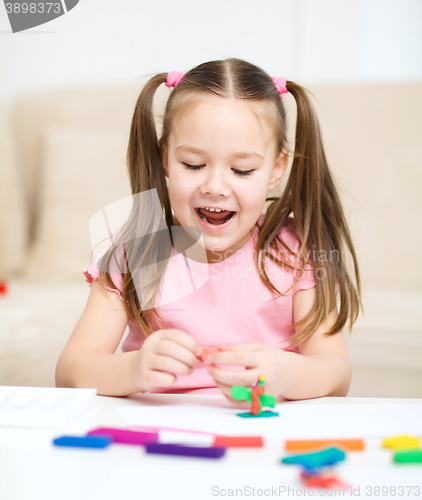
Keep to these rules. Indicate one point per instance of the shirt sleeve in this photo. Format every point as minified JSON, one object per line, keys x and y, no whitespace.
{"x":307,"y":279}
{"x":93,"y":273}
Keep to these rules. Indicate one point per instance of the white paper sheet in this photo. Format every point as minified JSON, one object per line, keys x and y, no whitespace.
{"x":43,"y":406}
{"x":298,"y":421}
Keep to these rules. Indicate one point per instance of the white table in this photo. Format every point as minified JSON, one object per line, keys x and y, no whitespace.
{"x":32,"y":468}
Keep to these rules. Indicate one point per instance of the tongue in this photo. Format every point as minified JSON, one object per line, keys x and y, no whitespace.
{"x":214,"y":215}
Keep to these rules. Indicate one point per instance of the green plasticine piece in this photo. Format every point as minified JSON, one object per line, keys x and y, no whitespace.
{"x":408,"y":457}
{"x":240,"y":393}
{"x":329,"y":456}
{"x":262,"y":414}
{"x":268,"y":400}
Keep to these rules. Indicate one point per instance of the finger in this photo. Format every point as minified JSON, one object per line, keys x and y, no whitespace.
{"x":246,"y":378}
{"x":226,"y":390}
{"x":170,"y":365}
{"x":241,"y":358}
{"x":178,"y":352}
{"x":182,"y":338}
{"x":156,"y":379}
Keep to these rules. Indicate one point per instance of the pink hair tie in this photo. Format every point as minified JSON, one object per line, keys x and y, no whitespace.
{"x":173,"y":78}
{"x":280,"y":85}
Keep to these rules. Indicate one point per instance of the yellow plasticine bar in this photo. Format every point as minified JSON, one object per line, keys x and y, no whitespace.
{"x":401,"y":442}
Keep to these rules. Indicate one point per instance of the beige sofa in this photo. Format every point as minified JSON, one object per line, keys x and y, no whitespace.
{"x":62,"y":158}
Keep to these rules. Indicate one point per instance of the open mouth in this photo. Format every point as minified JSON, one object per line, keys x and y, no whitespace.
{"x":214,"y":218}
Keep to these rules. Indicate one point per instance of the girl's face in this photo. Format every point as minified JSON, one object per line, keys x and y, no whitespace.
{"x":233,"y":153}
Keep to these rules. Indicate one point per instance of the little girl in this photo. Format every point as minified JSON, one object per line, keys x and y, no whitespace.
{"x":277,"y":293}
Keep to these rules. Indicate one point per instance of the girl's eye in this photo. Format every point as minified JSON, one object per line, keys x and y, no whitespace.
{"x":193,"y":167}
{"x":242,"y":173}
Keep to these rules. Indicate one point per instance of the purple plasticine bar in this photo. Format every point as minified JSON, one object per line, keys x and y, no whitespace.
{"x":185,"y":451}
{"x":83,"y":441}
{"x":124,"y":436}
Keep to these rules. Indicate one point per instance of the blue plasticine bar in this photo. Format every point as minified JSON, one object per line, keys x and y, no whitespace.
{"x":185,"y":451}
{"x":309,"y":461}
{"x":83,"y":441}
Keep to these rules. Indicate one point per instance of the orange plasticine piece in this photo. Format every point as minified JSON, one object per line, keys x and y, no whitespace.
{"x":256,"y":394}
{"x":206,"y":352}
{"x":346,"y":444}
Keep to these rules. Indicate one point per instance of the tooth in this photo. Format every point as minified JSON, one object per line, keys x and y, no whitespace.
{"x":211,"y":209}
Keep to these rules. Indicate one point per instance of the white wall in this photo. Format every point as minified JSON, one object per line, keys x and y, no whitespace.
{"x":103,"y":41}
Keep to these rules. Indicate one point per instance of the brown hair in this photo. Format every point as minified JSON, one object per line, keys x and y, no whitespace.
{"x":310,"y":195}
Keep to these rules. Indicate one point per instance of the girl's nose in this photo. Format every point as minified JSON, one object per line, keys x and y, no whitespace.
{"x":215,"y":183}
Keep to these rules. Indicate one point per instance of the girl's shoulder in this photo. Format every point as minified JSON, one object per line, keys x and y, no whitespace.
{"x":289,"y":231}
{"x":288,"y":235}
{"x":301,"y":271}
{"x":115,"y":267}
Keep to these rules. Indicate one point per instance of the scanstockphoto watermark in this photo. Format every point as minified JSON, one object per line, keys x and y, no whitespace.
{"x":319,"y":259}
{"x":316,"y":256}
{"x":274,"y":273}
{"x":275,"y":491}
{"x":24,"y":15}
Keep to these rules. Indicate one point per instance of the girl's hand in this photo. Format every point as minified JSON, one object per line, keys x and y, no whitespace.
{"x":163,"y":355}
{"x":256,"y":359}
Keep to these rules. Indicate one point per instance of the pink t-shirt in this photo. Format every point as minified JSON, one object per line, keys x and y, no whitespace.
{"x":232,"y":306}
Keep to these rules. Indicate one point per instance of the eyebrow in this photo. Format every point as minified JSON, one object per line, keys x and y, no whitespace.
{"x":242,"y":154}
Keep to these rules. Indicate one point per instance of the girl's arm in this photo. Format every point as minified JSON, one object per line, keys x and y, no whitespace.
{"x":89,"y":359}
{"x":321,"y":369}
{"x":323,"y":366}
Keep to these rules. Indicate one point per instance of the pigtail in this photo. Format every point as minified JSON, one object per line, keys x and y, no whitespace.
{"x":143,"y":155}
{"x":144,"y":244}
{"x":311,"y":196}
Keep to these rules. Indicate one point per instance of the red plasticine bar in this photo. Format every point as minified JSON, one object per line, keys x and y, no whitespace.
{"x":206,"y":352}
{"x":303,"y":444}
{"x":238,"y":441}
{"x":124,"y":436}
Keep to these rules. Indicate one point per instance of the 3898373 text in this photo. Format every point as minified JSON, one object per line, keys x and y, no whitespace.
{"x":33,"y":7}
{"x":391,"y":491}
